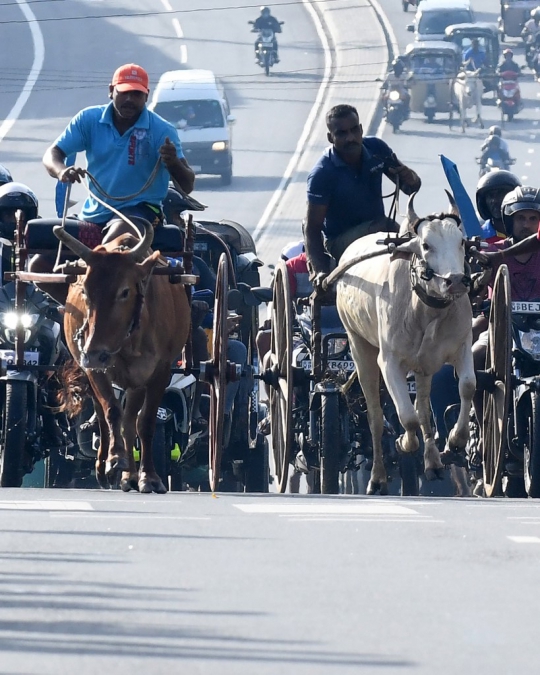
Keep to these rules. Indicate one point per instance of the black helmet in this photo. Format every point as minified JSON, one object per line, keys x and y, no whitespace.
{"x":173,"y":203}
{"x":5,"y":176}
{"x":398,"y":66}
{"x":265,"y":11}
{"x":18,"y":196}
{"x":494,"y":180}
{"x":523,"y":198}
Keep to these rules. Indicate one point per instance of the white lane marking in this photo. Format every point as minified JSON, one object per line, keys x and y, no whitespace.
{"x":356,"y":508}
{"x":524,"y":177}
{"x":525,"y":540}
{"x":183,"y":54}
{"x":37,"y":65}
{"x":528,"y":163}
{"x":167,"y":5}
{"x":530,"y":151}
{"x":126,"y":516}
{"x":45,"y":506}
{"x":395,"y":47}
{"x":361,"y":520}
{"x":308,"y":126}
{"x":178,"y":28}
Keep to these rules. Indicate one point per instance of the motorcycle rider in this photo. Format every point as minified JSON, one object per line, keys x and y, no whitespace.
{"x":494,"y":151}
{"x":508,"y":64}
{"x":5,"y":175}
{"x":345,"y":189}
{"x":491,"y":190}
{"x":495,"y":131}
{"x":474,"y":57}
{"x":268,"y":22}
{"x":15,"y":197}
{"x":397,"y":80}
{"x":532,"y":26}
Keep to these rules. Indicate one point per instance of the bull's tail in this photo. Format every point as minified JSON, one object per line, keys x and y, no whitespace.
{"x":75,"y":388}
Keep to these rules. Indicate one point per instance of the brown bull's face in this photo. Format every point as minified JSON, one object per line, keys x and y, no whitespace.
{"x":112,"y":291}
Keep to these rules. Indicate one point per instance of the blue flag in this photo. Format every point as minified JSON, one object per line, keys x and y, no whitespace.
{"x":61,"y":189}
{"x":466,"y":208}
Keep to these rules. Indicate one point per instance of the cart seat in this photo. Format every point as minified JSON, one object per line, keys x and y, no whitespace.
{"x":40,"y":236}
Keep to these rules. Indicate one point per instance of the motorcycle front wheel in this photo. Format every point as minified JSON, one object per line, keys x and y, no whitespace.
{"x":531,"y":454}
{"x":13,"y":440}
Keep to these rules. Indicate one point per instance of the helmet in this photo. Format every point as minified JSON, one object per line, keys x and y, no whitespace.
{"x":5,"y":176}
{"x":265,"y":11}
{"x":535,"y":13}
{"x":495,"y":131}
{"x":292,"y":249}
{"x":523,"y":198}
{"x":508,"y":52}
{"x":18,"y":196}
{"x":173,"y":203}
{"x":494,"y":180}
{"x":398,"y":66}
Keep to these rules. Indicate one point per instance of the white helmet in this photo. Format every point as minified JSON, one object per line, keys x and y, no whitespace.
{"x":292,"y":249}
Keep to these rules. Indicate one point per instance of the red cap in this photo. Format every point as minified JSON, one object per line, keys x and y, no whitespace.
{"x":130,"y":78}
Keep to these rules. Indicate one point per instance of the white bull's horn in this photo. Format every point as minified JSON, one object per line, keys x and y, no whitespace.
{"x":454,"y":210}
{"x":144,"y":244}
{"x":411,"y":213}
{"x":73,"y":244}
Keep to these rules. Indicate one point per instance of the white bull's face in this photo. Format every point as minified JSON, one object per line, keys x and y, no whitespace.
{"x":441,"y":245}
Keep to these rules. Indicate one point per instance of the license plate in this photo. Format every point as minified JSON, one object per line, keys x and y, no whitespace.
{"x":7,"y":357}
{"x":306,"y":364}
{"x":526,"y":307}
{"x":200,"y":246}
{"x":411,"y":385}
{"x":334,"y":364}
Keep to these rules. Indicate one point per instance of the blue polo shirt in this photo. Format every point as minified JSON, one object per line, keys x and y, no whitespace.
{"x":353,"y":195}
{"x":120,"y":163}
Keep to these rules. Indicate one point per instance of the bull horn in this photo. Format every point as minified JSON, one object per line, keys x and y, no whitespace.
{"x":73,"y":244}
{"x":412,"y":217}
{"x":454,"y":210}
{"x":144,"y":244}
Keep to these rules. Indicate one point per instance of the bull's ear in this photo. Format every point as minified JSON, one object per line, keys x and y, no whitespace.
{"x":147,"y":265}
{"x":407,"y":250}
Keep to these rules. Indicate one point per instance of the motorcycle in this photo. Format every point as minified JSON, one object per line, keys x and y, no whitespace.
{"x":265,"y":52}
{"x":29,"y":427}
{"x":494,"y":163}
{"x":395,"y":110}
{"x":509,"y":95}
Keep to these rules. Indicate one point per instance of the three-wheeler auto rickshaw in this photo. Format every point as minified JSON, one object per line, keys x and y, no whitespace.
{"x":432,"y":68}
{"x":514,"y":14}
{"x":487,"y":34}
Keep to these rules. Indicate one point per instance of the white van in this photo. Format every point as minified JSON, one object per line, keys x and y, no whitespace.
{"x":195,"y":102}
{"x":433,"y":16}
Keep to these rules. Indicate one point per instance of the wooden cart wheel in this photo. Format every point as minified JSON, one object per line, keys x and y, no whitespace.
{"x":217,"y":376}
{"x":281,"y":389}
{"x":497,"y":402}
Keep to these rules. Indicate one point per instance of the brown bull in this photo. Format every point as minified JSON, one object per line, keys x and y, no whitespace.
{"x":125,"y":326}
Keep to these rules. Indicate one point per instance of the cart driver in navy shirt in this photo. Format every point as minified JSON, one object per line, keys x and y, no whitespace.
{"x":344,"y":189}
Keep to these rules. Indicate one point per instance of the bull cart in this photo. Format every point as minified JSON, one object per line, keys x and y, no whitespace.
{"x":19,"y":449}
{"x":318,"y":415}
{"x":511,"y":399}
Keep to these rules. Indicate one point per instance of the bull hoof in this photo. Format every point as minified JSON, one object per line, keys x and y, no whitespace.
{"x":115,"y":464}
{"x":103,"y":481}
{"x":434,"y":474}
{"x":454,"y":456}
{"x":375,"y":486}
{"x":130,"y":483}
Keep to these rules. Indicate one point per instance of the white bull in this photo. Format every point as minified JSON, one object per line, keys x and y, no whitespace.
{"x":410,"y":314}
{"x":468,"y":88}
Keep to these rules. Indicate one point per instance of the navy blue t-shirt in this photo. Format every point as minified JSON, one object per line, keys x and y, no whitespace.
{"x":352,"y":195}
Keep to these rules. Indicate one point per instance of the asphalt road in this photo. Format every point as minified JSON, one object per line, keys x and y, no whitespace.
{"x":97,"y":582}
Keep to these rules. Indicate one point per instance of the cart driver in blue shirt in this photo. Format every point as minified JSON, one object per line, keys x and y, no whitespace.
{"x":474,"y":57}
{"x":344,"y":189}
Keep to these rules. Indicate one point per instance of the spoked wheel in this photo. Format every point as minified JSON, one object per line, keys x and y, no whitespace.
{"x":497,"y":402}
{"x":281,"y":389}
{"x":215,"y":374}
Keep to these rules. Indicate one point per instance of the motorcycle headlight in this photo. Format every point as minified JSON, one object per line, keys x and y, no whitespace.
{"x":10,"y":320}
{"x":219,"y":146}
{"x":336,"y":346}
{"x":531,"y":343}
{"x":394,"y":95}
